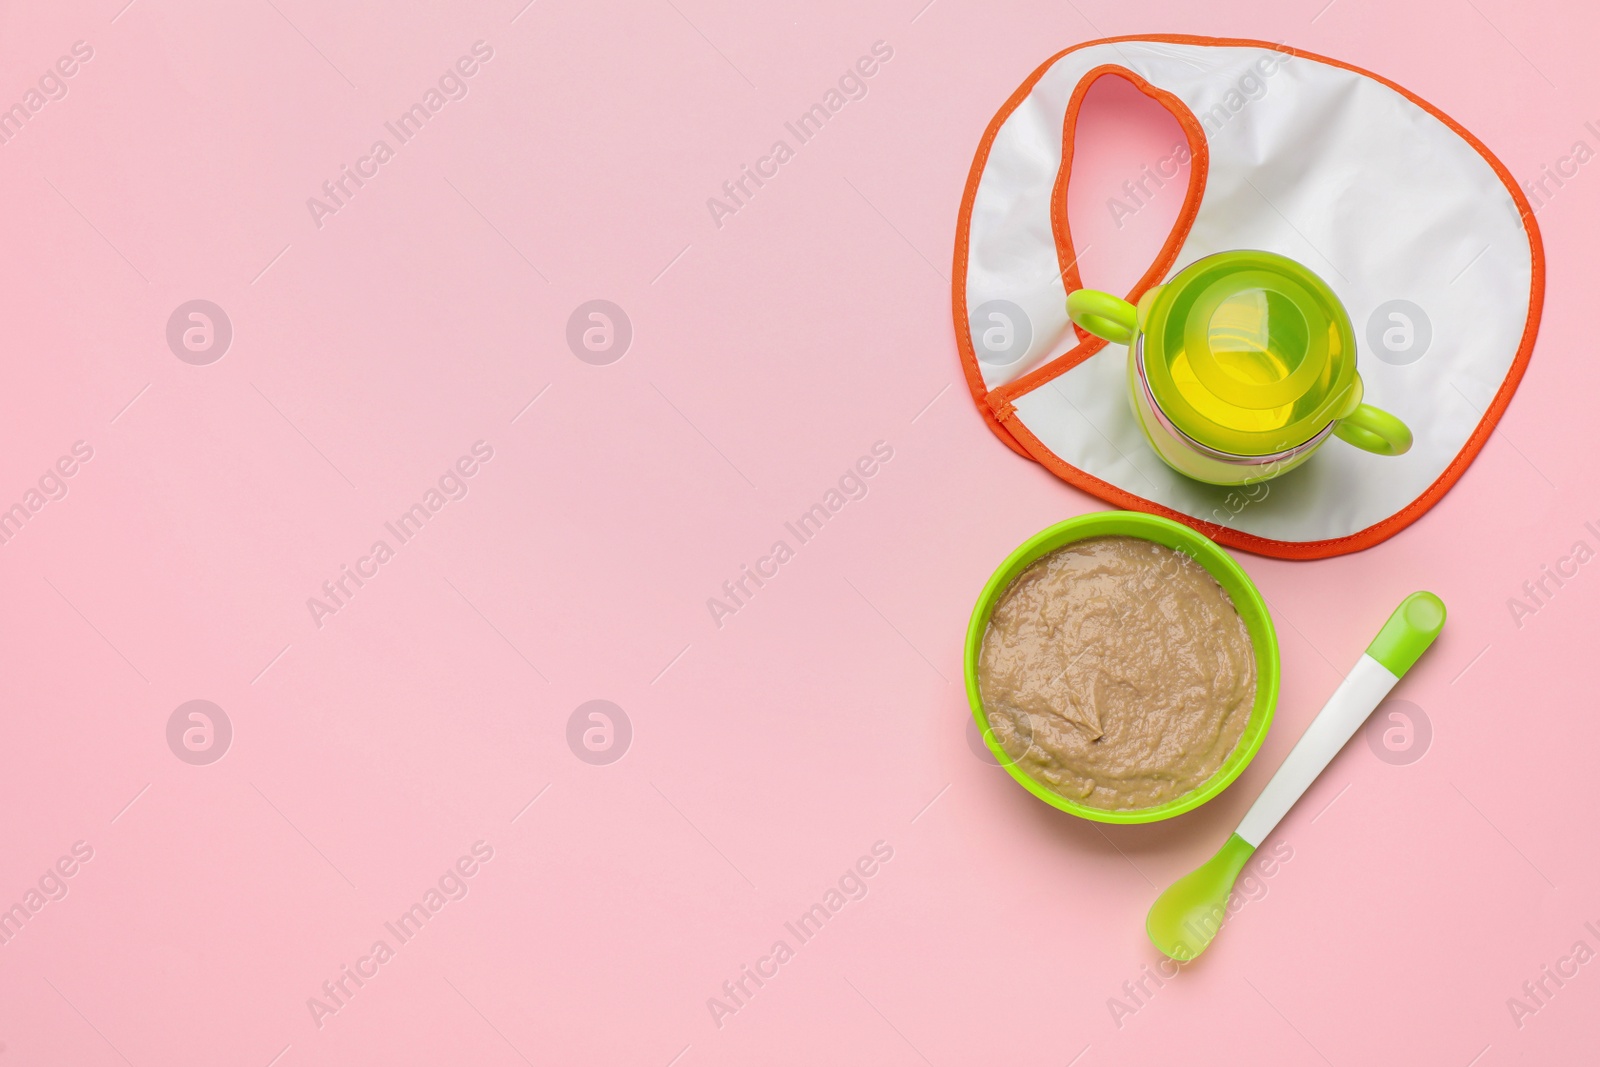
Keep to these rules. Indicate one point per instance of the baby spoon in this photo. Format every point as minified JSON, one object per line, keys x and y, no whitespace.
{"x":1185,"y":918}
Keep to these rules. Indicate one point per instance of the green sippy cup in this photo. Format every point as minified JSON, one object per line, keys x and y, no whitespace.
{"x":1240,"y":367}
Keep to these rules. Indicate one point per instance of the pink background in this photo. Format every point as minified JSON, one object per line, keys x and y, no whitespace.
{"x":767,"y":754}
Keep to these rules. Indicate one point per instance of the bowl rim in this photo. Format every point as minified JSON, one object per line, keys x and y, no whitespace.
{"x":1247,"y":600}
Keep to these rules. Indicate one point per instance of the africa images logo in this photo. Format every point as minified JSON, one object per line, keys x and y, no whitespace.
{"x":338,"y":191}
{"x":850,"y":886}
{"x":452,"y":485}
{"x":737,"y":592}
{"x":451,"y":886}
{"x":737,"y":192}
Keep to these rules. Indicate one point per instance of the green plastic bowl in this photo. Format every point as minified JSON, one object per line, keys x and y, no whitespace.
{"x":1234,"y":581}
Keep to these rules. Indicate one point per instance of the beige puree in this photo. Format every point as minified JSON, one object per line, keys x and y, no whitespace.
{"x":1117,"y":672}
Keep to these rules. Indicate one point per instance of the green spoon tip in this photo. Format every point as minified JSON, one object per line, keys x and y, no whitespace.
{"x":1185,"y":918}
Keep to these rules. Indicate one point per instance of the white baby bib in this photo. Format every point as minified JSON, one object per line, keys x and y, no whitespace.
{"x":1419,"y":230}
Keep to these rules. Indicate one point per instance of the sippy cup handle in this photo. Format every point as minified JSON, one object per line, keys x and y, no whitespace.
{"x":1375,"y":430}
{"x":1109,"y":317}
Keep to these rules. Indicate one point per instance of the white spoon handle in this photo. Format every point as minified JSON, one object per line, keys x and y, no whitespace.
{"x":1362,"y":690}
{"x":1409,"y":631}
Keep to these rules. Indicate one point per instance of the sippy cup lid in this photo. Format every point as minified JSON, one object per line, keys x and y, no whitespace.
{"x":1249,"y":353}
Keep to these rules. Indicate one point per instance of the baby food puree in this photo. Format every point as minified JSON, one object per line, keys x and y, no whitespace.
{"x":1117,"y":672}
